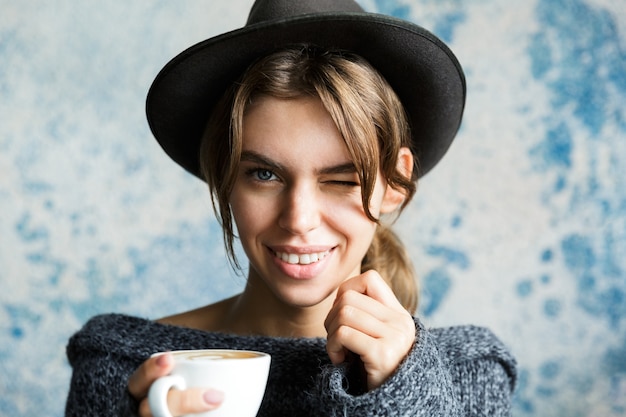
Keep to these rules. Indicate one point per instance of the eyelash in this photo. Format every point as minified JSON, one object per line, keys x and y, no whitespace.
{"x":344,"y":183}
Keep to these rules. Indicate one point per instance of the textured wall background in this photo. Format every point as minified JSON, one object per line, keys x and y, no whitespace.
{"x":522,"y":227}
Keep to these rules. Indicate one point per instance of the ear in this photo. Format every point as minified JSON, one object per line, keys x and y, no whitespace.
{"x":394,"y":198}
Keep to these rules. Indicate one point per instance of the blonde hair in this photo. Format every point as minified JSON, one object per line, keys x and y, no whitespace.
{"x":367,"y":113}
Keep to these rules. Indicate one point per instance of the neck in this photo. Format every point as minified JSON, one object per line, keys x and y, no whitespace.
{"x":254,"y":311}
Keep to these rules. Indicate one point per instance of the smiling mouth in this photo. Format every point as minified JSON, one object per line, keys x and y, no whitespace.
{"x":303,"y":258}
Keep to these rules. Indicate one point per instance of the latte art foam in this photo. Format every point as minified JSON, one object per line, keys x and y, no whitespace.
{"x":215,"y":354}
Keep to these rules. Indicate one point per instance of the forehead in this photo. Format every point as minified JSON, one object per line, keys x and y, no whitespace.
{"x":298,"y":130}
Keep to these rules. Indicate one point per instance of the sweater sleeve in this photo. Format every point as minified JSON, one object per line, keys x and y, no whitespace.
{"x":486,"y":388}
{"x":483,"y":371}
{"x":98,"y":387}
{"x":421,"y":387}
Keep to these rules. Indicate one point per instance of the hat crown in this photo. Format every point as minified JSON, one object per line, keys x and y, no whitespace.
{"x":267,"y":10}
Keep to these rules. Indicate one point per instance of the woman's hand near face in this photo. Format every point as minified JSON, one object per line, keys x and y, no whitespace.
{"x":367,"y":320}
{"x":190,"y":401}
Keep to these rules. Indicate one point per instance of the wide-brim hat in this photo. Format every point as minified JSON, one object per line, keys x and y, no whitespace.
{"x":420,"y":68}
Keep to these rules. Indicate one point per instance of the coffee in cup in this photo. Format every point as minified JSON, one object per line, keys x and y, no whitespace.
{"x":240,"y":374}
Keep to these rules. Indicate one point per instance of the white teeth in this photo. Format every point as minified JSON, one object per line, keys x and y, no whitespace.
{"x":304,"y":259}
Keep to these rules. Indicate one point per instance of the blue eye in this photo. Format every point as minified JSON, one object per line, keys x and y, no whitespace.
{"x":264,"y":174}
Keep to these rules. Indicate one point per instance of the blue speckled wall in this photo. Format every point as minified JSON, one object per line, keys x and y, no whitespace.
{"x":522,"y":228}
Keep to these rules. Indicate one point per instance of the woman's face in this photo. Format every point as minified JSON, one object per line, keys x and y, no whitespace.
{"x":297,"y":202}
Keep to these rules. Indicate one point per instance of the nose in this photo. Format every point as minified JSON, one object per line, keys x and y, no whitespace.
{"x":300,"y":210}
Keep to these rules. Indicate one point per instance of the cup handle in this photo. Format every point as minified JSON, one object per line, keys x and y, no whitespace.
{"x":157,"y":396}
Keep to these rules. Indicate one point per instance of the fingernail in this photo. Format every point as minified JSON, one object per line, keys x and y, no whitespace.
{"x":213,"y":397}
{"x":162,"y":360}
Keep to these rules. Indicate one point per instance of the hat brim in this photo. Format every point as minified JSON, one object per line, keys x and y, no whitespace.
{"x":421,"y":69}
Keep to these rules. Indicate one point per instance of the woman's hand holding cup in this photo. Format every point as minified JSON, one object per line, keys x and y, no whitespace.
{"x":180,"y":402}
{"x":224,"y":382}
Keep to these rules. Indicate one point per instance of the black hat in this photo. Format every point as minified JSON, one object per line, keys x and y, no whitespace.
{"x":420,"y":68}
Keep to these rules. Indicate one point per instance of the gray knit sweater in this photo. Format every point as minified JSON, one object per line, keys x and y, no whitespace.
{"x":457,"y":371}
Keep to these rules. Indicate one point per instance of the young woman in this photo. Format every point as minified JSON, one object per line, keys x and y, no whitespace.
{"x":306,"y":154}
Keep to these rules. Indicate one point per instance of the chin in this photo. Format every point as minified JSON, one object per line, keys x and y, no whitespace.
{"x":302,"y":299}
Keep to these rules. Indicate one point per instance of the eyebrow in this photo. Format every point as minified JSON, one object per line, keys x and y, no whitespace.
{"x":251,"y":156}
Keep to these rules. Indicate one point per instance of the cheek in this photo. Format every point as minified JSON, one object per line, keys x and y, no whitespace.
{"x":349,"y":217}
{"x":251,"y":214}
{"x":243,"y":215}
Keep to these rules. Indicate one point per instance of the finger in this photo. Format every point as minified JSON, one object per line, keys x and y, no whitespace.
{"x":346,"y":339}
{"x":351,"y":306}
{"x":392,"y":343}
{"x":373,"y":285}
{"x":153,"y":368}
{"x":359,"y":332}
{"x":193,"y":400}
{"x":190,"y":401}
{"x":380,"y":357}
{"x":359,"y":315}
{"x":144,"y":409}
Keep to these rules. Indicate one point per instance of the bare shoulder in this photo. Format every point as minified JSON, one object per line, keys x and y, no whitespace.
{"x":208,"y":318}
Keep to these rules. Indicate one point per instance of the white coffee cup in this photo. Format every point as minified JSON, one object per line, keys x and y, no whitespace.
{"x":240,"y":374}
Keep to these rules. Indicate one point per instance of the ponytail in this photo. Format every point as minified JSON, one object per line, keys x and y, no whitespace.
{"x":388,"y":256}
